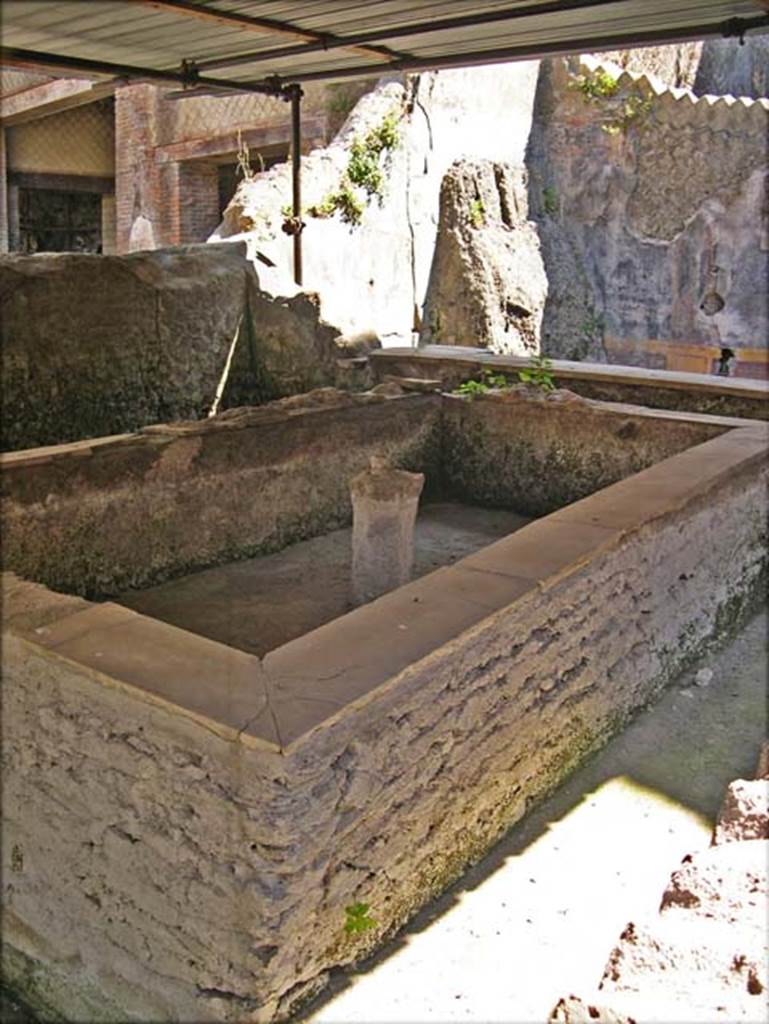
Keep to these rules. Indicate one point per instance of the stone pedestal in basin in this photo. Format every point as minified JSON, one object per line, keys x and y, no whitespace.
{"x":384,"y":503}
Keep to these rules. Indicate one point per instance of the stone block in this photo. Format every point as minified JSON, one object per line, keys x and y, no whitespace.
{"x":384,"y":503}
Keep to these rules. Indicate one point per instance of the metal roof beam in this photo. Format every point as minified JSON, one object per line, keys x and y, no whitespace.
{"x":415,"y":28}
{"x":187,"y":76}
{"x":589,"y":44}
{"x":322,"y":40}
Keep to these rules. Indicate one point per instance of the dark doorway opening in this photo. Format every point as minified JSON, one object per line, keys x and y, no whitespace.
{"x":51,"y":220}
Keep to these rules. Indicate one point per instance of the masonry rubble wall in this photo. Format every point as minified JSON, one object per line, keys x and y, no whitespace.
{"x":96,"y":345}
{"x":195,"y":863}
{"x":652,"y":219}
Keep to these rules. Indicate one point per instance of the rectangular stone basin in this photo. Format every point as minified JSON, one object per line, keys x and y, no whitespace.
{"x":187,"y":818}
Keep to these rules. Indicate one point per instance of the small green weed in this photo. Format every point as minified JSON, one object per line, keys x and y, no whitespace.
{"x":477,"y":213}
{"x":591,"y":328}
{"x":632,"y":111}
{"x":473,"y":388}
{"x":357,"y":918}
{"x":550,"y":200}
{"x":538,"y":374}
{"x":597,"y":86}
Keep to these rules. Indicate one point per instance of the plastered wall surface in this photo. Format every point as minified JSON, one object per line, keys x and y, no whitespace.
{"x":540,"y":455}
{"x":649,"y":201}
{"x":185,"y":825}
{"x":96,"y":518}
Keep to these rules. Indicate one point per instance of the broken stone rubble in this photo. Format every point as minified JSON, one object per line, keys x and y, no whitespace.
{"x":704,"y":956}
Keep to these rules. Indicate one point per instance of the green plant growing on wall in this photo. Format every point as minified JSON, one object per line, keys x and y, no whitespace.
{"x":475,"y":387}
{"x":550,"y":200}
{"x":595,"y":85}
{"x":363,"y":172}
{"x":538,"y":374}
{"x":357,"y":918}
{"x":599,"y":86}
{"x":591,"y":328}
{"x":477,"y":213}
{"x":633,"y":111}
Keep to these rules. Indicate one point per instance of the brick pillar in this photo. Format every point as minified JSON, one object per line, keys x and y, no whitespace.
{"x":137,"y":181}
{"x":198,"y":201}
{"x":108,"y":225}
{"x":3,"y":196}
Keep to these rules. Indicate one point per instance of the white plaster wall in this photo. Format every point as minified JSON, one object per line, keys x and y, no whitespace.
{"x":374,"y":276}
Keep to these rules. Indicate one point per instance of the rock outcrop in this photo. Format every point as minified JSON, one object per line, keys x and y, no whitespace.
{"x":487,"y":283}
{"x":97,"y":345}
{"x":372,"y":274}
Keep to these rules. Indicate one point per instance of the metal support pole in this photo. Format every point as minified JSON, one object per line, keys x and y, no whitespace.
{"x":296,"y":177}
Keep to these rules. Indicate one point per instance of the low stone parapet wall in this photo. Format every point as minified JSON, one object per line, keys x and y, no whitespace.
{"x":187,"y":825}
{"x":95,"y":517}
{"x":659,"y":389}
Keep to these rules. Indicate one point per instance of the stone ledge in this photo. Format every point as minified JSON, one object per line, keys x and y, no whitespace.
{"x":565,"y":370}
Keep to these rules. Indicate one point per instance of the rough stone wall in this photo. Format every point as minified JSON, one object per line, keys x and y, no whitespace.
{"x":676,"y":64}
{"x":373,"y":276}
{"x":536,"y":455}
{"x":728,"y":68}
{"x":129,"y":510}
{"x":97,"y":345}
{"x":487,"y":284}
{"x":172,"y":840}
{"x":207,"y":880}
{"x":654,"y":231}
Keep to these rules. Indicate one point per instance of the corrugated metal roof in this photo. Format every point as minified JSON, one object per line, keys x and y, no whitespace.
{"x":248,"y":42}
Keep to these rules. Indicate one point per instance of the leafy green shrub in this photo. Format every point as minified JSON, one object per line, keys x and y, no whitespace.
{"x":596,"y":85}
{"x":473,"y":388}
{"x":363,"y":172}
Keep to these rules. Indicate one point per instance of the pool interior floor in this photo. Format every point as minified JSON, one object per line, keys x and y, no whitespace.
{"x":258,"y":604}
